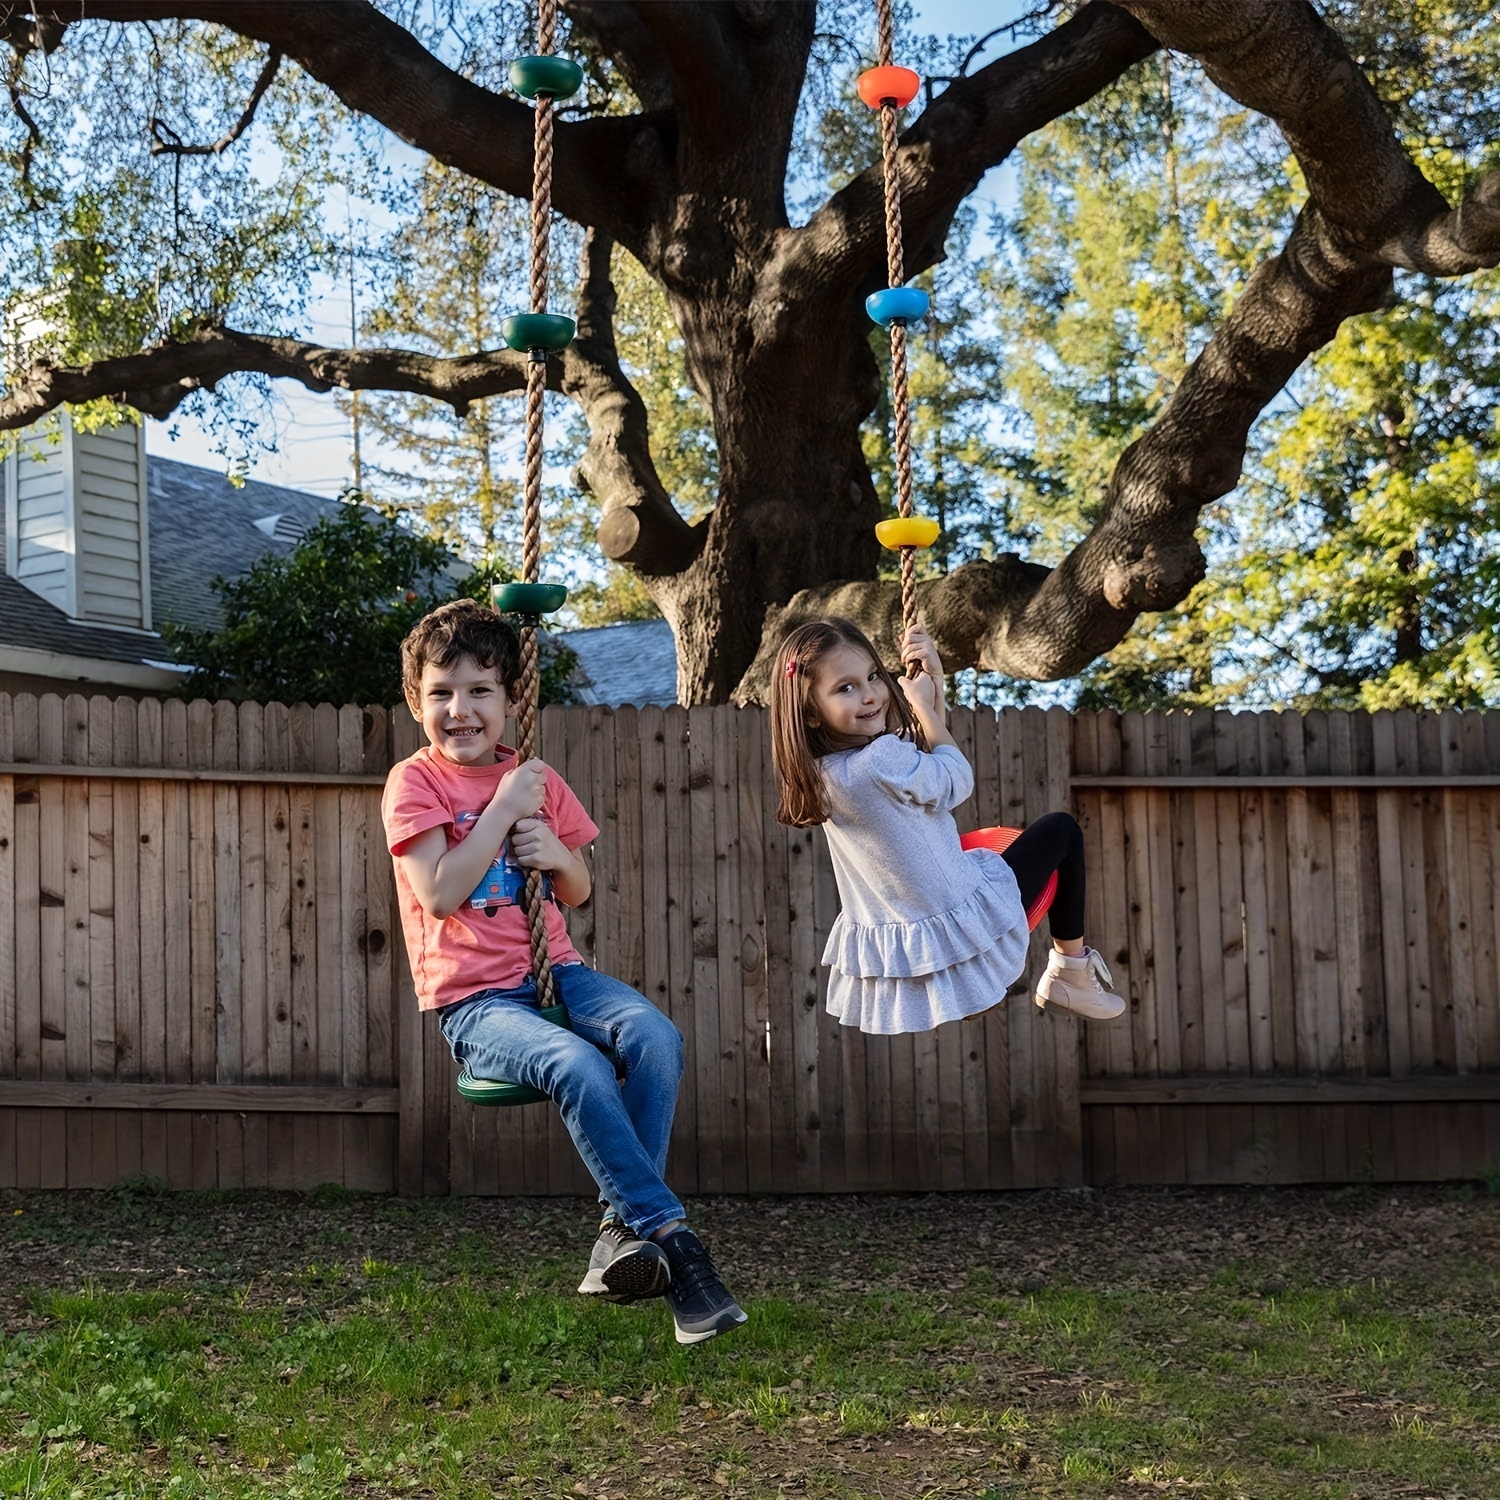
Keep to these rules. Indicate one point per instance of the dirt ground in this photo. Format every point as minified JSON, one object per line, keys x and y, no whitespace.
{"x":1098,"y":1238}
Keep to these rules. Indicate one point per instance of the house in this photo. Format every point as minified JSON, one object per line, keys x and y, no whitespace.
{"x":634,"y":662}
{"x":101,"y":547}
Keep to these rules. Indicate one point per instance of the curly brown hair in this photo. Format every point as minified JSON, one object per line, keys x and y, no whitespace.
{"x":459,"y":628}
{"x":797,"y":741}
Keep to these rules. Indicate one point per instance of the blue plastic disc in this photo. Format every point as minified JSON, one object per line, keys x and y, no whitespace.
{"x":897,"y":304}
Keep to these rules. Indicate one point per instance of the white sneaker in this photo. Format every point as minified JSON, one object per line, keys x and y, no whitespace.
{"x":1077,"y":985}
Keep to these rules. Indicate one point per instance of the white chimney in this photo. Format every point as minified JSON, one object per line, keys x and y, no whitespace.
{"x":75,"y":520}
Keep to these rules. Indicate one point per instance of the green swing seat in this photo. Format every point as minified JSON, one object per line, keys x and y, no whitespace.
{"x":494,"y":1091}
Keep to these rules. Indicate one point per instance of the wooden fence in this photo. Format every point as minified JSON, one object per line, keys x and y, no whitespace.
{"x":201,"y":978}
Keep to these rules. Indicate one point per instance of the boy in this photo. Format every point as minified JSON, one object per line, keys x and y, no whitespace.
{"x":463,"y":821}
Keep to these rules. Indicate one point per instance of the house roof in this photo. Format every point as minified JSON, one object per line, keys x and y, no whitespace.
{"x":635,"y":662}
{"x":201,"y":527}
{"x":29,"y":621}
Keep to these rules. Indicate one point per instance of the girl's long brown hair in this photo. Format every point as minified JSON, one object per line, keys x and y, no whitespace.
{"x":796,"y":744}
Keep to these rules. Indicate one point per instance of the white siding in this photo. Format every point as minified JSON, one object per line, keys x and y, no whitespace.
{"x":76,"y":523}
{"x":109,"y":478}
{"x":38,"y":527}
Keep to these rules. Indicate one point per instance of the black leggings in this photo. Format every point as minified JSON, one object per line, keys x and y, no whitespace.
{"x":1053,"y":842}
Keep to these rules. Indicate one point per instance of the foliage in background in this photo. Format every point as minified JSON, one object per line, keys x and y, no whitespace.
{"x":135,"y":243}
{"x":458,"y":270}
{"x":324,"y":623}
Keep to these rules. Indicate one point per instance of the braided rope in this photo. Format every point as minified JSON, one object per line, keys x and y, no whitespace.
{"x":531,"y":513}
{"x":541,"y":203}
{"x":885,"y":33}
{"x":896,"y":275}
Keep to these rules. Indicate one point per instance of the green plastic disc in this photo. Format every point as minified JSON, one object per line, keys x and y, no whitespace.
{"x":529,"y":598}
{"x":492,"y":1090}
{"x":556,"y":77}
{"x":527,"y":331}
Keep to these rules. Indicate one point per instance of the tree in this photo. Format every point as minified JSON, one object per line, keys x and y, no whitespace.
{"x":324,"y":624}
{"x":694,"y":184}
{"x":1357,"y":564}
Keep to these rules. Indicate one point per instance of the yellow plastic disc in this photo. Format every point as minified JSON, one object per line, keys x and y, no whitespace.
{"x":907,"y":531}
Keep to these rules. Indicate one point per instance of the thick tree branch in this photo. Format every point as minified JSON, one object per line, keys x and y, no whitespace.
{"x":156,"y":381}
{"x":1142,"y":554}
{"x":638,"y":524}
{"x":379,"y":69}
{"x":972,"y":126}
{"x":618,"y":32}
{"x":959,"y":607}
{"x":1281,"y":59}
{"x":1454,"y":243}
{"x":710,"y":84}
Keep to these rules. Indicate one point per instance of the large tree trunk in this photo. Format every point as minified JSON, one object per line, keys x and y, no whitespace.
{"x":795,"y":501}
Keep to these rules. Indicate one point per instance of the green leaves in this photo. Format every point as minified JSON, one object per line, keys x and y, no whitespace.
{"x":325,"y":622}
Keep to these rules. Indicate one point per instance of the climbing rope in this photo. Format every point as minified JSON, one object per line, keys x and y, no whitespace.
{"x":895,"y":275}
{"x":542,"y":78}
{"x":531,"y":514}
{"x":890,"y":89}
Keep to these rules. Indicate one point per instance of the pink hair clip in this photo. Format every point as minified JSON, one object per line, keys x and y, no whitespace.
{"x":791,"y":668}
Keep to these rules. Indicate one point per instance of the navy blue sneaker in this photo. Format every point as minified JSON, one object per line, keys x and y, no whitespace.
{"x":700,"y":1302}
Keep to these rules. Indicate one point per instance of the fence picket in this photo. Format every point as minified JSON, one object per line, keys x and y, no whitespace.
{"x":177,"y":905}
{"x":53,"y":1143}
{"x":705,"y":929}
{"x":677,"y":830}
{"x":229,"y":932}
{"x":125,"y":857}
{"x":1482,"y":738}
{"x":360,"y":1169}
{"x":754,"y":1001}
{"x":149,"y":934}
{"x":728,"y":944}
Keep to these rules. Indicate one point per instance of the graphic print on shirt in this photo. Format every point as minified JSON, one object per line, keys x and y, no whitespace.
{"x":504,"y":883}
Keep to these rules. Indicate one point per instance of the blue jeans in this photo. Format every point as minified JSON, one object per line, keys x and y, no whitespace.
{"x":621,"y":1128}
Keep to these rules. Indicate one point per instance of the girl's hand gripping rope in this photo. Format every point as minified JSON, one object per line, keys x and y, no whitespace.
{"x":924,"y":692}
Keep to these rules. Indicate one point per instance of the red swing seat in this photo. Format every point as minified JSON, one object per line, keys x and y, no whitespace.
{"x":1000,"y":839}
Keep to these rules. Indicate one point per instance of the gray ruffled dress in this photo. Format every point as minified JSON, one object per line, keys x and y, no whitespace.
{"x":929,"y":932}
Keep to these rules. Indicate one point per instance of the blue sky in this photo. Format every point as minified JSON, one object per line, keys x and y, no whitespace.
{"x":313,"y":446}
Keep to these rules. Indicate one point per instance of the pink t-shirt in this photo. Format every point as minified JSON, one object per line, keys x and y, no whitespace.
{"x":486,"y":943}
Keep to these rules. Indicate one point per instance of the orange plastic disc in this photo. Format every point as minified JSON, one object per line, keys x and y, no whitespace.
{"x":876,"y":85}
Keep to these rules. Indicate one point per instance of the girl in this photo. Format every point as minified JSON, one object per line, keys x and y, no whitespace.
{"x":929,"y":932}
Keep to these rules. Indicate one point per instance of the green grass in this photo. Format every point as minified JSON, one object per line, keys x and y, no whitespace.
{"x":357,"y":1368}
